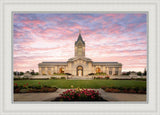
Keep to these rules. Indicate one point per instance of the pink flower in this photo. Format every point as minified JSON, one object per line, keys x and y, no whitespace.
{"x":92,"y":97}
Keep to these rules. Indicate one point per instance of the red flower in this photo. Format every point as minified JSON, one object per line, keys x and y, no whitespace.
{"x":27,"y":84}
{"x":24,"y":85}
{"x":15,"y":84}
{"x":39,"y":83}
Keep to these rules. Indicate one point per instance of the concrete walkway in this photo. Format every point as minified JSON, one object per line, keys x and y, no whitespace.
{"x":105,"y":95}
{"x":122,"y":96}
{"x":37,"y":96}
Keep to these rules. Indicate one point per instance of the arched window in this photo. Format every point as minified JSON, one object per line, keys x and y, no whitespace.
{"x":98,"y":70}
{"x":61,"y":70}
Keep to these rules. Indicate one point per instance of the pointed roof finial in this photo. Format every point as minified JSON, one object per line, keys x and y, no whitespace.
{"x":79,"y":31}
{"x":79,"y":38}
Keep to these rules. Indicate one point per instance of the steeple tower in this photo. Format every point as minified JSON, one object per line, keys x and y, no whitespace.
{"x":80,"y":46}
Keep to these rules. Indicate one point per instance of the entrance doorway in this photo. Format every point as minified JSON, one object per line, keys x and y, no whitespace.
{"x":79,"y":71}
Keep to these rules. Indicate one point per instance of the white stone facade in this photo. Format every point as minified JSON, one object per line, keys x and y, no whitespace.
{"x":80,"y":65}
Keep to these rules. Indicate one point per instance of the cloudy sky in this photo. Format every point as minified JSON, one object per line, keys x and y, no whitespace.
{"x":109,"y":37}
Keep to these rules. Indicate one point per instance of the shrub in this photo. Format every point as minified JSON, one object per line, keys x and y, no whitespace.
{"x":121,"y":88}
{"x":107,"y":77}
{"x":124,"y":90}
{"x":63,"y":78}
{"x":68,"y":73}
{"x":38,"y":87}
{"x":91,"y":74}
{"x":39,"y":78}
{"x":136,"y":89}
{"x":96,"y":77}
{"x":47,"y":86}
{"x":24,"y":78}
{"x":80,"y":95}
{"x":53,"y":78}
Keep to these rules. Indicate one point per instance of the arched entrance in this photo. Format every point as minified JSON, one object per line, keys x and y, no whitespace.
{"x":79,"y":71}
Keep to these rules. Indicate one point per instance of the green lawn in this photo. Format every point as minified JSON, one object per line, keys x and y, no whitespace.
{"x":84,"y":83}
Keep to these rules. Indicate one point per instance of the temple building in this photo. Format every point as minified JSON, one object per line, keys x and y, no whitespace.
{"x":80,"y":65}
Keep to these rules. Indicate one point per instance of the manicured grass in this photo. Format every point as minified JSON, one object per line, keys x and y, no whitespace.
{"x":84,"y":83}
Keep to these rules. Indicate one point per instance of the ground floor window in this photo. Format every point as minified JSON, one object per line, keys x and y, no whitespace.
{"x":110,"y":72}
{"x":98,"y":70}
{"x":61,"y":70}
{"x":116,"y":72}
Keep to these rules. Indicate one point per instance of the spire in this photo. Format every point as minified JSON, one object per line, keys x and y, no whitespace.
{"x":79,"y":31}
{"x":79,"y":38}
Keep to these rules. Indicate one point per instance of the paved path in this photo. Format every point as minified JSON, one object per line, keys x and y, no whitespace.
{"x":51,"y":96}
{"x":122,"y":96}
{"x":37,"y":96}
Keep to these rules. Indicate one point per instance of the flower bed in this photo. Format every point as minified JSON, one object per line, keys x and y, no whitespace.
{"x":125,"y":90}
{"x":80,"y":95}
{"x":26,"y":88}
{"x":102,"y":77}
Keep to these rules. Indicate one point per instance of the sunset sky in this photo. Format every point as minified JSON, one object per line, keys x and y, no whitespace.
{"x":109,"y":37}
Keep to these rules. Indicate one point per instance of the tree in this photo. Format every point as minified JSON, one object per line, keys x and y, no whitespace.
{"x":145,"y":72}
{"x":139,"y":73}
{"x":36,"y":73}
{"x":15,"y":72}
{"x":27,"y":72}
{"x":32,"y":72}
{"x":21,"y":73}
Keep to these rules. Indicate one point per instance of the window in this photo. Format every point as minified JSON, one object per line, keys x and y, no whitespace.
{"x":98,"y":70}
{"x":110,"y":71}
{"x":61,"y":70}
{"x":116,"y":71}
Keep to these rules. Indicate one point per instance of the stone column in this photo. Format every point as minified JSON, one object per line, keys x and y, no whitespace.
{"x":103,"y":69}
{"x":46,"y":70}
{"x":113,"y":71}
{"x":52,"y":70}
{"x":119,"y":71}
{"x":40,"y":71}
{"x":107,"y":70}
{"x":55,"y":69}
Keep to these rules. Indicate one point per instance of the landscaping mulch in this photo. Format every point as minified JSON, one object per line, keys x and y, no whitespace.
{"x":61,"y":99}
{"x":30,"y":90}
{"x":114,"y":90}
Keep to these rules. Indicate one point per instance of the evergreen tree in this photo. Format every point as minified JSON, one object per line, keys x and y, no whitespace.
{"x":145,"y":72}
